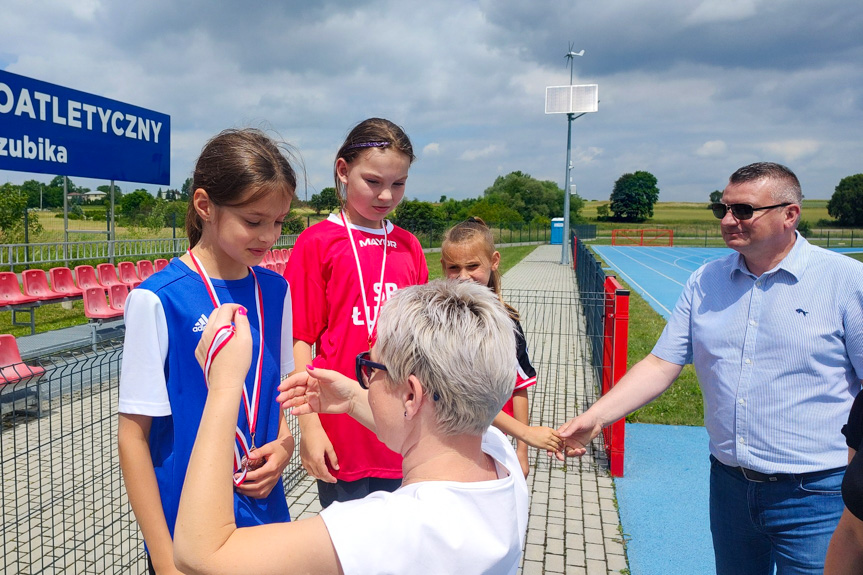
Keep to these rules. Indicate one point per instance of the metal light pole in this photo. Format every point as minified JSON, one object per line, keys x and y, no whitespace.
{"x":574,"y":101}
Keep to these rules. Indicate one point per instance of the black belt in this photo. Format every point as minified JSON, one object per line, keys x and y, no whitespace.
{"x":759,"y":477}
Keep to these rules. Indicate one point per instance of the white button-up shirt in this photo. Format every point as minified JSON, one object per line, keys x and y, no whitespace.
{"x":779,"y":357}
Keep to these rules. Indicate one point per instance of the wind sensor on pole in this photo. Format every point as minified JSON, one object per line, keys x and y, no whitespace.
{"x":570,"y":100}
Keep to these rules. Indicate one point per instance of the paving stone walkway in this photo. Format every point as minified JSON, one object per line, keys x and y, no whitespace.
{"x":574,"y":525}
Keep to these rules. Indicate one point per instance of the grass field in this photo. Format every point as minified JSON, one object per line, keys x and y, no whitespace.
{"x":674,"y":213}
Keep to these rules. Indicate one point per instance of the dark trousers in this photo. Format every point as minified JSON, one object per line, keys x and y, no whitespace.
{"x":350,"y":490}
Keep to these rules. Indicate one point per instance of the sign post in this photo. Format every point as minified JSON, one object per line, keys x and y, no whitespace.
{"x":570,"y":100}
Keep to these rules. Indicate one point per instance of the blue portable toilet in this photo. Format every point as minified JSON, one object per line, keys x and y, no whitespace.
{"x":556,"y":231}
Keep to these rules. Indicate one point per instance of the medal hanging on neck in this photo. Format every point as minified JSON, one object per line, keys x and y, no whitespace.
{"x":370,"y":323}
{"x":242,"y":463}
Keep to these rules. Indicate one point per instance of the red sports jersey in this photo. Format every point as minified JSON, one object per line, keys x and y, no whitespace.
{"x":328,"y":312}
{"x":526,"y":375}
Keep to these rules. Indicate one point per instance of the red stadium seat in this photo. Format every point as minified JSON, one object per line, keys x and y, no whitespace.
{"x":96,"y":304}
{"x":35,"y":284}
{"x":12,"y":367}
{"x":117,"y":297}
{"x":85,"y":277}
{"x":279,"y":268}
{"x":145,"y":269}
{"x":63,"y":282}
{"x":278,"y":258}
{"x":127,"y":274}
{"x":286,"y":254}
{"x":10,"y":291}
{"x":160,"y":264}
{"x":108,"y":275}
{"x":12,"y":371}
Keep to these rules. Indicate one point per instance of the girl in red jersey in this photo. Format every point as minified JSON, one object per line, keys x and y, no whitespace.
{"x":341,"y":270}
{"x":468,"y":253}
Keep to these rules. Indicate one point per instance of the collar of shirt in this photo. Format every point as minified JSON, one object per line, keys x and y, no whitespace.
{"x":793,"y":263}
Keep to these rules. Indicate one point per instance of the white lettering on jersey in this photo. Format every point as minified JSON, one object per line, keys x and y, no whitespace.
{"x":389,"y":287}
{"x":377,"y":242}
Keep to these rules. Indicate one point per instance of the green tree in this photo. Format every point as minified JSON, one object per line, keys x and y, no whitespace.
{"x":33,"y":190}
{"x":327,"y":200}
{"x":52,"y":193}
{"x":137,"y":205}
{"x":846,"y":203}
{"x":495,"y":212}
{"x":106,"y":189}
{"x":633,"y":197}
{"x":13,"y":204}
{"x":418,"y":217}
{"x":293,"y":225}
{"x":175,"y":214}
{"x":715,"y":196}
{"x":532,"y":198}
{"x":452,"y":210}
{"x":186,"y":190}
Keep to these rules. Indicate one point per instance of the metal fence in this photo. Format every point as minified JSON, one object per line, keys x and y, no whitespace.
{"x":606,"y":313}
{"x":17,"y":257}
{"x":64,"y":505}
{"x":63,"y":500}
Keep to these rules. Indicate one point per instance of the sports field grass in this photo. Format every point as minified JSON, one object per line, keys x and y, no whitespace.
{"x":675,"y":213}
{"x":509,"y":256}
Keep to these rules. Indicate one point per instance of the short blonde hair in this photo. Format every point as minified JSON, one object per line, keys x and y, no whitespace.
{"x":459,"y":341}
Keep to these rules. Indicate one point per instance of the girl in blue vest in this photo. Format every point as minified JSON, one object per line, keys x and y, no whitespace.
{"x":241,"y":193}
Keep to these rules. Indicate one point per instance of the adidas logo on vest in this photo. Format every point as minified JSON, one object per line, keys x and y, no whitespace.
{"x":200,"y":324}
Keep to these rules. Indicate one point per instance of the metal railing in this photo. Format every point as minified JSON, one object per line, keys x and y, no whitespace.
{"x":606,"y":312}
{"x":64,"y":504}
{"x":17,"y":257}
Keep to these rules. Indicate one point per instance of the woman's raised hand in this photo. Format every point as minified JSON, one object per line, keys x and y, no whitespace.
{"x":229,"y":359}
{"x":318,"y":390}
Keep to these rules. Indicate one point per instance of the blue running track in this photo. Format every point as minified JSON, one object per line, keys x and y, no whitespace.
{"x":657,"y":274}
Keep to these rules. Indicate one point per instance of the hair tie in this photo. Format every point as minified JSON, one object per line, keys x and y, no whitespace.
{"x":368,"y":145}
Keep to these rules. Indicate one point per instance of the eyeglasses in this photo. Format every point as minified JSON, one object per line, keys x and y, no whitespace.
{"x":740,"y":211}
{"x":366,"y":367}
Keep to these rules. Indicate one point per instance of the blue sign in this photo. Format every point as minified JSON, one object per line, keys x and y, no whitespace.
{"x":48,"y":129}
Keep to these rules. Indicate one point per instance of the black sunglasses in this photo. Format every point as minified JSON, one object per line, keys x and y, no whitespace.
{"x":366,"y":367}
{"x":740,"y":211}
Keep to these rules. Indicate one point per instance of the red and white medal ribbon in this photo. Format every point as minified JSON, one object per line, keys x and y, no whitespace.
{"x":370,"y":324}
{"x":223,"y":335}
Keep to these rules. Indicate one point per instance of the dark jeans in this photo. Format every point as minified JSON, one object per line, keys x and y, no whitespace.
{"x":786,"y":523}
{"x":350,"y":490}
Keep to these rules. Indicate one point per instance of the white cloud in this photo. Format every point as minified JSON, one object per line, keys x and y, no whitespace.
{"x":712,"y":149}
{"x":483,"y":153}
{"x":792,"y":150}
{"x":431,"y":149}
{"x":585,"y":156}
{"x":713,"y":11}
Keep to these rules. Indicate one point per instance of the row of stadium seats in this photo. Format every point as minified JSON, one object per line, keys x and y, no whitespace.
{"x":34,"y":288}
{"x":103,"y":288}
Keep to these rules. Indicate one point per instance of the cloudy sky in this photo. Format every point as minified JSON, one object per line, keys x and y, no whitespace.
{"x":689,"y":90}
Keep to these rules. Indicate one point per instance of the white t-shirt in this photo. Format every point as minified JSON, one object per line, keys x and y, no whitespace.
{"x":434,"y":527}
